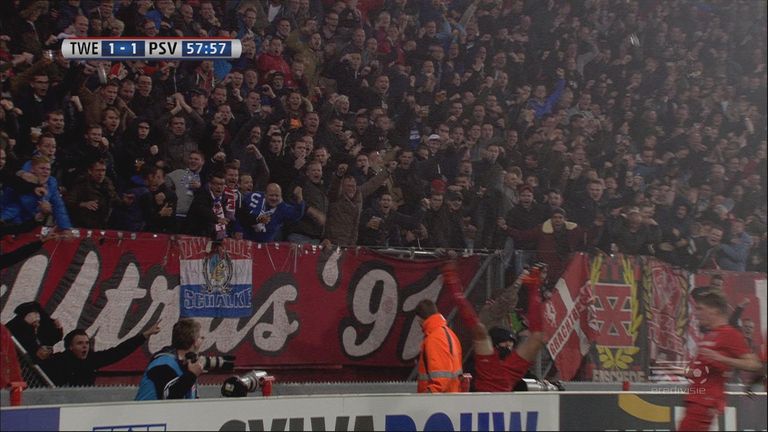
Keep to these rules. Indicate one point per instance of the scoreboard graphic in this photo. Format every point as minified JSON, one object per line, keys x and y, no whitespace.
{"x":150,"y":48}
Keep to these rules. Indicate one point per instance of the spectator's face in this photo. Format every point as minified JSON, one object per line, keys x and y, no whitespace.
{"x":430,"y":29}
{"x":595,"y":191}
{"x":540,"y":92}
{"x":253,"y":101}
{"x":217,"y":185}
{"x":405,"y":159}
{"x":94,"y":136}
{"x":251,"y":77}
{"x":492,"y":153}
{"x":457,"y":135}
{"x":332,"y":21}
{"x":715,"y":236}
{"x":127,"y":90}
{"x":284,"y":27}
{"x":276,"y":46}
{"x":275,"y":144}
{"x":436,"y":201}
{"x":47,"y":147}
{"x":358,"y":38}
{"x":300,"y":149}
{"x":246,"y":183}
{"x":33,"y":319}
{"x":486,"y":131}
{"x":98,"y":172}
{"x":81,"y":26}
{"x":335,"y":126}
{"x":56,"y":123}
{"x":178,"y":126}
{"x":194,"y":161}
{"x":219,"y":96}
{"x":231,"y":177}
{"x":558,"y":221}
{"x":315,"y":172}
{"x":40,"y":84}
{"x":465,"y":168}
{"x":156,"y":179}
{"x":382,"y":84}
{"x":349,"y":187}
{"x":111,"y":121}
{"x":274,"y":195}
{"x":555,"y":199}
{"x":737,"y":227}
{"x":311,"y":121}
{"x":80,"y":346}
{"x":143,"y":130}
{"x":321,"y":155}
{"x":455,"y":204}
{"x":456,"y":109}
{"x":385,"y":202}
{"x":526,"y":198}
{"x":474,"y":132}
{"x":3,"y":159}
{"x":206,"y":11}
{"x":144,"y":85}
{"x":150,"y":29}
{"x":109,"y":94}
{"x":362,"y":162}
{"x":250,"y":19}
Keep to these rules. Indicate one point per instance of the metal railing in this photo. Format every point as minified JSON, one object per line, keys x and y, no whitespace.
{"x":32,"y":374}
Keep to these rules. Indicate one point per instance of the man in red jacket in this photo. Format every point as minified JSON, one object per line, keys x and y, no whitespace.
{"x":272,"y":60}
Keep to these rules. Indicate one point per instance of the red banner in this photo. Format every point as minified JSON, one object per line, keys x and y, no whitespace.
{"x":570,"y":319}
{"x":310,"y":306}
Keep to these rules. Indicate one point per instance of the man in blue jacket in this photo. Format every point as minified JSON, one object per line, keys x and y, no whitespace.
{"x":43,"y":202}
{"x":263,"y":214}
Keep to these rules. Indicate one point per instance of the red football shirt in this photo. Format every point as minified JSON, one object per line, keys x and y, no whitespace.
{"x":708,"y":376}
{"x":496,"y":375}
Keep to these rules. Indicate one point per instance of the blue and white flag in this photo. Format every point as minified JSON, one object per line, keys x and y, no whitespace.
{"x":216,"y":286}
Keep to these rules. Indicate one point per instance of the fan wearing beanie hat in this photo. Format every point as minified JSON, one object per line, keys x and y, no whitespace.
{"x":35,"y":330}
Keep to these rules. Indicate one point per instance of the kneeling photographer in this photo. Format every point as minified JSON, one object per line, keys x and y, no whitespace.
{"x":172,"y":373}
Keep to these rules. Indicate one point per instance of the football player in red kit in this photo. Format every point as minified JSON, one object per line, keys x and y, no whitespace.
{"x":722,"y":349}
{"x":497,"y":367}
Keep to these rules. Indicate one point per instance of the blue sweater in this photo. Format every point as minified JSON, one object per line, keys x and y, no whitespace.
{"x":255,"y":205}
{"x":21,"y":208}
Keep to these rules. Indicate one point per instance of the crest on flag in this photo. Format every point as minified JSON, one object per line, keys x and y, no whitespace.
{"x":217,"y":271}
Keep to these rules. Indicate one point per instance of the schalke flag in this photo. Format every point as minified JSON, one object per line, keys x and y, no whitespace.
{"x":216,"y":285}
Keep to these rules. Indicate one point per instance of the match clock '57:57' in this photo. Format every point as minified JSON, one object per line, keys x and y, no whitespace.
{"x":150,"y":49}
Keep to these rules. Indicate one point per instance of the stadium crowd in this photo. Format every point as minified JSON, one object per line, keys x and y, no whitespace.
{"x":632,"y":127}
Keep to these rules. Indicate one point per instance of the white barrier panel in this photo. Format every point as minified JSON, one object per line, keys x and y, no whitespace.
{"x":403,"y":412}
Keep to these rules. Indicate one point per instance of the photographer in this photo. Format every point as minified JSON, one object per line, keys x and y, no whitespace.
{"x":170,"y":375}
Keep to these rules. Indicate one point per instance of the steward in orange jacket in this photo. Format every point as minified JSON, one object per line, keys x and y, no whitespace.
{"x":440,"y":357}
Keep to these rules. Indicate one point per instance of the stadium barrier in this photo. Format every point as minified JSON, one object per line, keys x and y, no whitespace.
{"x":402,"y":412}
{"x":628,"y":316}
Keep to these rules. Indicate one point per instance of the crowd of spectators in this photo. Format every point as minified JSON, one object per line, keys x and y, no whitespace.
{"x":632,"y":126}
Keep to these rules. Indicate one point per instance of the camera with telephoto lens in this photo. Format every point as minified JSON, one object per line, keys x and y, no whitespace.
{"x":225,"y":363}
{"x":241,"y":385}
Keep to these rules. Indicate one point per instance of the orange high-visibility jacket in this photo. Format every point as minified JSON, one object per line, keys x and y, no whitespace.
{"x":440,"y":358}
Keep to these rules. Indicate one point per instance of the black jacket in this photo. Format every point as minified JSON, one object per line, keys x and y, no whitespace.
{"x":201,"y":220}
{"x":65,"y":369}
